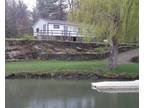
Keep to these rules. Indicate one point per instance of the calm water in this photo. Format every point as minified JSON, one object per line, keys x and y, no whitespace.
{"x":63,"y":94}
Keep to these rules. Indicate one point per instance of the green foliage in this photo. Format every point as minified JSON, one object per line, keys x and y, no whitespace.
{"x":102,"y":49}
{"x":128,"y":68}
{"x":70,"y":66}
{"x":54,"y":66}
{"x":108,"y":18}
{"x":27,"y":37}
{"x":88,"y":39}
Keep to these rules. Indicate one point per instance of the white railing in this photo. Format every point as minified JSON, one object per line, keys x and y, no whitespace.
{"x":56,"y":33}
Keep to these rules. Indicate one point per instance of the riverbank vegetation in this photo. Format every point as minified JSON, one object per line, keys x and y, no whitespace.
{"x":54,"y":66}
{"x":109,"y":20}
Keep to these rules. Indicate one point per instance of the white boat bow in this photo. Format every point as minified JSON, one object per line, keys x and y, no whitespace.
{"x":116,"y":86}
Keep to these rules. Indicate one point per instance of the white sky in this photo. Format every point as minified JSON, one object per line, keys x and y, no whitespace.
{"x":30,"y":4}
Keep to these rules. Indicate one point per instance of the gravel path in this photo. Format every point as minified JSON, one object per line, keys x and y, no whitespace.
{"x":124,"y":58}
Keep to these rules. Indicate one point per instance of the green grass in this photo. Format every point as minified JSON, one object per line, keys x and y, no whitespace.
{"x":68,"y":66}
{"x":54,"y":66}
{"x":129,"y":68}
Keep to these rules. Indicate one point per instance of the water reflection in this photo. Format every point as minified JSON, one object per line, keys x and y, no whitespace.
{"x":63,"y":94}
{"x":62,"y":103}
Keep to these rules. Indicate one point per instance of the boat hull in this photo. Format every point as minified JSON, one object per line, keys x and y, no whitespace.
{"x":116,"y":86}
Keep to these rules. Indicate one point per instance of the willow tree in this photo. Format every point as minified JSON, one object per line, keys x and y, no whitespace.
{"x":114,"y":20}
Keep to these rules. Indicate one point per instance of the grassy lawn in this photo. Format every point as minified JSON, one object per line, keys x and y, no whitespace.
{"x":54,"y":66}
{"x":129,"y":68}
{"x":68,"y":66}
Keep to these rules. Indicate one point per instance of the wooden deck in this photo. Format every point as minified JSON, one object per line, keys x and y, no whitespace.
{"x":62,"y":35}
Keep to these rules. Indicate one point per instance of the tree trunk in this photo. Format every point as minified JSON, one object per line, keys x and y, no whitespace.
{"x":113,"y":54}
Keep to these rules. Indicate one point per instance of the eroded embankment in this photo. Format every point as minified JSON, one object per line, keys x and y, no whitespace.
{"x":71,"y":76}
{"x":54,"y":50}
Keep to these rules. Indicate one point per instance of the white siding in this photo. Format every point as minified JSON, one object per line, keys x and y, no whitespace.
{"x":51,"y":31}
{"x":39,"y":25}
{"x":57,"y":32}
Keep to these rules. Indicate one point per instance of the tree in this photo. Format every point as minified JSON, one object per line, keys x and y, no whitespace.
{"x":23,"y":19}
{"x":18,"y":22}
{"x":10,"y":20}
{"x":115,"y":20}
{"x":50,"y":9}
{"x":61,"y":14}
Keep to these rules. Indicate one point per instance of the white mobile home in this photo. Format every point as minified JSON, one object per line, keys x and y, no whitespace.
{"x":44,"y":28}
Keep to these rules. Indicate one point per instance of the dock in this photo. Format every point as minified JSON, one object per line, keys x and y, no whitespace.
{"x":116,"y":86}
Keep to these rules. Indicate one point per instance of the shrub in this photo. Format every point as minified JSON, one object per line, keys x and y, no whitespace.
{"x":102,"y":49}
{"x":28,"y":37}
{"x":135,"y":59}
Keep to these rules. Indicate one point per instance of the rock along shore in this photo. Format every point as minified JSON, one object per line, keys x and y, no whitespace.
{"x":70,"y":76}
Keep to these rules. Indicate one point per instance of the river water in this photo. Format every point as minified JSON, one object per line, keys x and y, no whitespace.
{"x":63,"y":94}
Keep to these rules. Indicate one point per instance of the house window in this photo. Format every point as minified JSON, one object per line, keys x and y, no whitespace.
{"x":74,"y":38}
{"x":37,"y":30}
{"x":55,"y":26}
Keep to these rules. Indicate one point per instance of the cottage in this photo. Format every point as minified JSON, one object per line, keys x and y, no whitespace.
{"x":55,"y":30}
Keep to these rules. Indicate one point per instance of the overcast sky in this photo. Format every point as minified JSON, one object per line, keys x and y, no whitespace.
{"x":30,"y":3}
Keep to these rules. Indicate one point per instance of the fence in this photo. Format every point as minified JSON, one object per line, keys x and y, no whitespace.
{"x":56,"y":33}
{"x":63,"y":35}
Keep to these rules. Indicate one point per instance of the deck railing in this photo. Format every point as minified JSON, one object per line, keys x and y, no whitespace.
{"x":63,"y":35}
{"x":56,"y":33}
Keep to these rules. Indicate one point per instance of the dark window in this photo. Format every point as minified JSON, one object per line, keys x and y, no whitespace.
{"x":74,"y":38}
{"x":37,"y":30}
{"x":55,"y":26}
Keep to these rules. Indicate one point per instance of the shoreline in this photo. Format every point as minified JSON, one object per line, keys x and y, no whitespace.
{"x":71,"y":76}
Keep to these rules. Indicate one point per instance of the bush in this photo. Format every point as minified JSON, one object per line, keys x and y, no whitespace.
{"x":28,"y":37}
{"x":102,"y":49}
{"x":135,"y":59}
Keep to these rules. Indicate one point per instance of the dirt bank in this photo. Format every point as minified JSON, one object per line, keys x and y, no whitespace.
{"x":54,"y":50}
{"x":70,"y":75}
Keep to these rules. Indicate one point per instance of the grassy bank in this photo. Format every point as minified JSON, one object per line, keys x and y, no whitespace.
{"x":70,"y":66}
{"x":54,"y":66}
